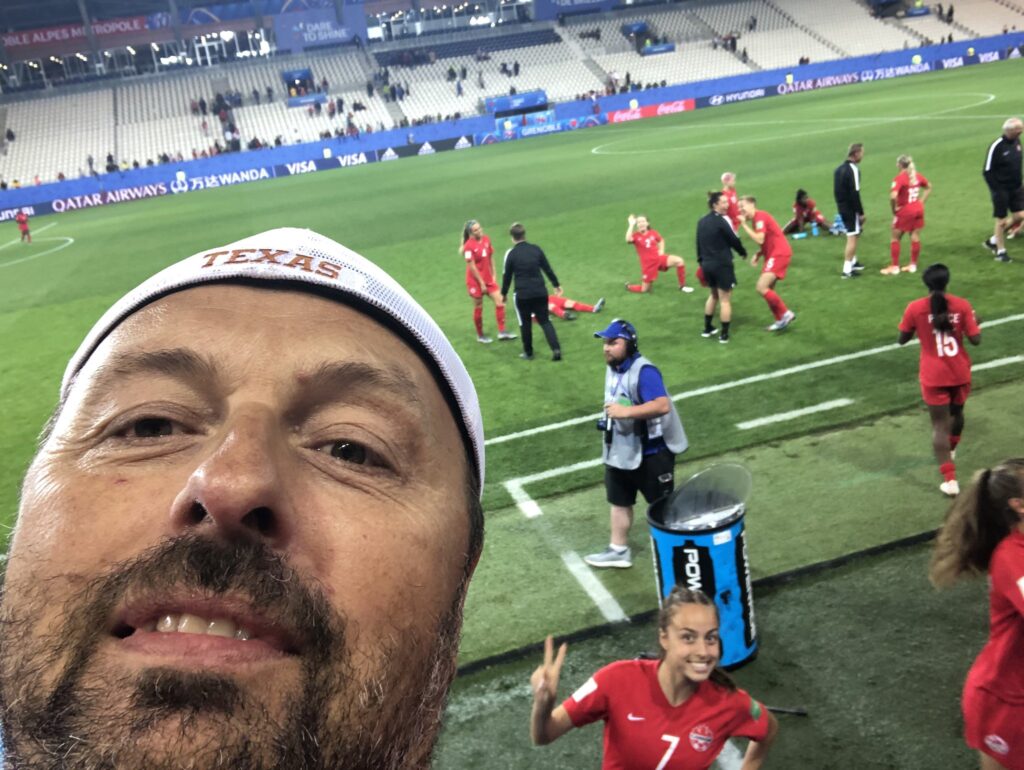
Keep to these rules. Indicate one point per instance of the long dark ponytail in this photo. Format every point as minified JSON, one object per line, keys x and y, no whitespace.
{"x":979,"y":519}
{"x":936,"y":278}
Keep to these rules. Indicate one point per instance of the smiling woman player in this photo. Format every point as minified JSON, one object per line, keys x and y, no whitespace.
{"x":675,"y":713}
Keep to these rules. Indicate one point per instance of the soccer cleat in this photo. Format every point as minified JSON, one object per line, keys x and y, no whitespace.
{"x":484,"y":339}
{"x":526,"y":356}
{"x":599,"y":305}
{"x":686,"y":289}
{"x":775,"y":326}
{"x":505,"y":336}
{"x":609,"y":557}
{"x":857,"y":266}
{"x":570,"y":315}
{"x":1003,"y":257}
{"x":891,"y":270}
{"x":723,"y":339}
{"x":556,"y":355}
{"x":911,"y":268}
{"x":850,"y":274}
{"x":787,"y":318}
{"x":950,"y":488}
{"x":709,"y":332}
{"x":989,"y":244}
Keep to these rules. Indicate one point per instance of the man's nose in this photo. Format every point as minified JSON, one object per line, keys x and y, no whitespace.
{"x":239,"y":486}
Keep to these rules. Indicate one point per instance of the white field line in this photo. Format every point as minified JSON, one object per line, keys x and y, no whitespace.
{"x":60,"y":247}
{"x":593,"y":587}
{"x":718,"y":387}
{"x":795,"y":413}
{"x":18,"y":240}
{"x":998,"y":362}
{"x":731,"y":758}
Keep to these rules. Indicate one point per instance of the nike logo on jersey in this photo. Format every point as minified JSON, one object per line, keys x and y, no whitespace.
{"x":633,"y":718}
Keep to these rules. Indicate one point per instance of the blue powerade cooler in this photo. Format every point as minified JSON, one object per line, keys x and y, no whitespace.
{"x":699,"y":542}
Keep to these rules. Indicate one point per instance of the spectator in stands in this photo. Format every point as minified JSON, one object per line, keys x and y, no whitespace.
{"x":512,"y":91}
{"x":405,"y":87}
{"x":205,"y":127}
{"x":323,"y":85}
{"x":135,"y":164}
{"x":255,"y":96}
{"x":463,"y":73}
{"x":515,"y":68}
{"x":950,"y":37}
{"x":752,"y":24}
{"x":331,"y":109}
{"x":91,"y":162}
{"x":3,"y":184}
{"x":452,"y":74}
{"x":939,"y":12}
{"x":202,"y":105}
{"x":458,"y":88}
{"x":369,"y":89}
{"x":744,"y":57}
{"x":9,"y":134}
{"x":16,"y":184}
{"x":270,"y":94}
{"x":504,"y":68}
{"x":949,"y":14}
{"x":193,"y":106}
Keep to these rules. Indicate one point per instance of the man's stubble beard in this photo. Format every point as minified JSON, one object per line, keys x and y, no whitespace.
{"x":63,"y":709}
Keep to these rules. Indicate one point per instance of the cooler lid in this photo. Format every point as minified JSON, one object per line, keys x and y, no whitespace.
{"x":711,"y":498}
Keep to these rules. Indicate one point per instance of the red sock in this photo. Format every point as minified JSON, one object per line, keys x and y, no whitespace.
{"x":894,"y":252}
{"x":948,"y":471}
{"x":635,"y":288}
{"x":499,"y":313}
{"x":583,"y":308}
{"x":776,"y":304}
{"x":953,"y":441}
{"x":915,"y":251}
{"x":681,"y":274}
{"x":478,"y":321}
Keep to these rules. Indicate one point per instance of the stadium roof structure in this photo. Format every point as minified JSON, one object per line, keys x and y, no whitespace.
{"x":29,"y":14}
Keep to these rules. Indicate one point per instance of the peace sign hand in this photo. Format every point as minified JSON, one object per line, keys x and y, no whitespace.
{"x":544,"y":680}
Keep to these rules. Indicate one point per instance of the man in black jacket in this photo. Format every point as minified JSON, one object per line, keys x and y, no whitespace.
{"x":525,"y":262}
{"x":847,"y":193}
{"x":716,"y":241}
{"x":1003,"y":176}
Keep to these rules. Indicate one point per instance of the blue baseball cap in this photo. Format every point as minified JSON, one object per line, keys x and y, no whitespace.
{"x":619,"y":328}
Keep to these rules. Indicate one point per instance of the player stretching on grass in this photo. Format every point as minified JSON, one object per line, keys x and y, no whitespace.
{"x":479,"y":253}
{"x":650,"y":247}
{"x":776,"y":251}
{"x":566,"y":308}
{"x":909,"y":192}
{"x":22,"y":219}
{"x":941,"y":321}
{"x":984,"y":530}
{"x":674,"y":713}
{"x":805,"y":211}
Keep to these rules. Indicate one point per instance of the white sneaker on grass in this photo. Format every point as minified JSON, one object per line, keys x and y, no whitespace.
{"x":505,"y":336}
{"x":610,"y":557}
{"x":950,"y":488}
{"x":484,"y":339}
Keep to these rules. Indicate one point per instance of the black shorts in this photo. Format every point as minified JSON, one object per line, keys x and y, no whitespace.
{"x":1004,"y":201}
{"x":718,"y":275}
{"x":851,"y":221}
{"x":654,"y":479}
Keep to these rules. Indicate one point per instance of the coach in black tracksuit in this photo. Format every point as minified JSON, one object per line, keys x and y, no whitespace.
{"x":716,"y":241}
{"x":846,"y":188}
{"x":525,"y":262}
{"x":1003,"y":176}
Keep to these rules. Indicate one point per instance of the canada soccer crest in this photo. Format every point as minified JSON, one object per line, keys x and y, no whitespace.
{"x":701,"y":737}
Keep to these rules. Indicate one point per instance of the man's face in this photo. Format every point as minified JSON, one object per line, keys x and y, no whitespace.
{"x":721,"y":205}
{"x":244,"y":545}
{"x":614,"y":351}
{"x":1015,"y":130}
{"x":858,"y":156}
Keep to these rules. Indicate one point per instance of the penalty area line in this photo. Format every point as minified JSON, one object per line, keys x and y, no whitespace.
{"x":18,"y":240}
{"x":794,"y":414}
{"x":593,"y":587}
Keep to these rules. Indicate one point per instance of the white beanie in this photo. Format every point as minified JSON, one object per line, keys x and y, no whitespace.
{"x":309,"y":261}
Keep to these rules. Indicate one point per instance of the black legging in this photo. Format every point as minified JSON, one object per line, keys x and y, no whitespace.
{"x":537,"y":306}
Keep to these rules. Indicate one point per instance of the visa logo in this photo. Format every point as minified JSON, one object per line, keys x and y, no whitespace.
{"x":302,"y":167}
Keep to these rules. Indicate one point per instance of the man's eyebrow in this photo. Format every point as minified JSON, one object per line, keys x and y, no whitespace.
{"x":338,"y":377}
{"x":181,"y":364}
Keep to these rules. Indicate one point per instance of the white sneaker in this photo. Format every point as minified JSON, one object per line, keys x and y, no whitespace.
{"x":484,"y":339}
{"x":609,"y":557}
{"x":504,"y":336}
{"x":787,"y":318}
{"x":950,"y":488}
{"x":911,"y":268}
{"x":686,"y":289}
{"x":890,"y":270}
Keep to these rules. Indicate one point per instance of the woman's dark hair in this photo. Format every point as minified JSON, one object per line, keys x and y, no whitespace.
{"x":801,"y":195}
{"x":936,"y":278}
{"x":979,"y":519}
{"x":676,"y":599}
{"x":467,"y":230}
{"x":713,"y":197}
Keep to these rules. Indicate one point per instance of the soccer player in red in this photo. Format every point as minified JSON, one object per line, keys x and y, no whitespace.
{"x":805,"y":211}
{"x":909,"y":192}
{"x":766,"y":233}
{"x":984,"y":530}
{"x":22,"y":219}
{"x":566,"y":308}
{"x":941,"y":321}
{"x":479,"y":254}
{"x":650,"y":247}
{"x":729,"y":191}
{"x":675,"y":713}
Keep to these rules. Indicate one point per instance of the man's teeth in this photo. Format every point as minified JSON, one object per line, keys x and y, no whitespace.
{"x":186,"y":623}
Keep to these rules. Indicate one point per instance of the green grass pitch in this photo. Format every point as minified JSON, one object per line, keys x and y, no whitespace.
{"x":825,"y":484}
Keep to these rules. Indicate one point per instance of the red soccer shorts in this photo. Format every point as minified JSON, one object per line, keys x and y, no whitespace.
{"x":475,"y":290}
{"x":776,"y":265}
{"x":649,"y":268}
{"x":907,"y":220}
{"x":994,"y":727}
{"x":944,"y":395}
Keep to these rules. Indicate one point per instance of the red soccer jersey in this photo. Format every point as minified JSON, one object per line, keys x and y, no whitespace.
{"x":944,"y":359}
{"x":775,"y":244}
{"x":807,"y":207}
{"x":479,"y":252}
{"x":998,"y":668}
{"x":22,"y":219}
{"x":733,"y":213}
{"x":907,"y":193}
{"x":647,"y":244}
{"x":643,"y":730}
